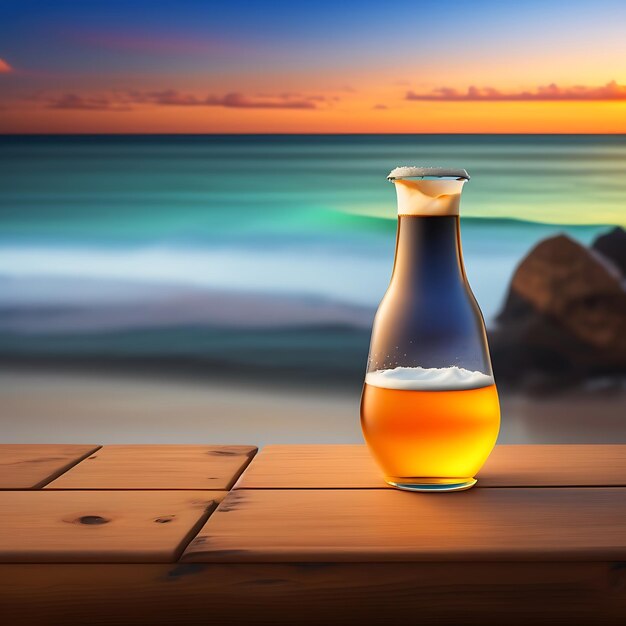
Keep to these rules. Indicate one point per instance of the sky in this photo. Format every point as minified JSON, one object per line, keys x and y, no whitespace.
{"x":317,"y":67}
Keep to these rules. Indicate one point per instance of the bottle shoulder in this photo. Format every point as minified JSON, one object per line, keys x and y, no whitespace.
{"x":449,"y":298}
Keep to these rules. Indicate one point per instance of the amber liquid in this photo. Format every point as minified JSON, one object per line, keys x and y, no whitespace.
{"x":430,"y":436}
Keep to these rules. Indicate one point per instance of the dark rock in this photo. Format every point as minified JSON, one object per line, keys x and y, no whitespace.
{"x":563,"y":320}
{"x":612,"y":246}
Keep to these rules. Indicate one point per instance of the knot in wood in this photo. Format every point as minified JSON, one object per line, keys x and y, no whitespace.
{"x":92,"y":520}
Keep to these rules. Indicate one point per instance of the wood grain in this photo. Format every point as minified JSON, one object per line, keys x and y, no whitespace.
{"x":30,"y":466}
{"x":489,"y":594}
{"x":312,"y":467}
{"x":158,"y":467}
{"x":555,"y":466}
{"x":373,"y":525}
{"x":100,"y":526}
{"x":352,"y":467}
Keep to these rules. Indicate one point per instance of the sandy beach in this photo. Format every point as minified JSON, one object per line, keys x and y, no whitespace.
{"x":97,"y":408}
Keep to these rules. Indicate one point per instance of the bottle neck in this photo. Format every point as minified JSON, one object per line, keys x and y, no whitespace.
{"x":428,"y":252}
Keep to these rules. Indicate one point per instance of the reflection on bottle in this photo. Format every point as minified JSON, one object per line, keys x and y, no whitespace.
{"x":429,"y":411}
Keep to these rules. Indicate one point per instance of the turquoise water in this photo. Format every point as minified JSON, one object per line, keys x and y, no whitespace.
{"x":196,"y":245}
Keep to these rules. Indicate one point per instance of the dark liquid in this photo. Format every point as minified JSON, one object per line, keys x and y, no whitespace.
{"x":429,"y":316}
{"x":428,"y":253}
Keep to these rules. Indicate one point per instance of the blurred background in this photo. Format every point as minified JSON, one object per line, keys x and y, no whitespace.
{"x":166,"y":287}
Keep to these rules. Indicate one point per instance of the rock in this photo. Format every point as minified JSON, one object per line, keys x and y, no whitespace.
{"x":563,"y":319}
{"x":612,"y":246}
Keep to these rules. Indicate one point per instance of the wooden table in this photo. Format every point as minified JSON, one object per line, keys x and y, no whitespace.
{"x":307,"y":534}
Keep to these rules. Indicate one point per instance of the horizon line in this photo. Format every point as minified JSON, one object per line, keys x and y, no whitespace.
{"x":309,"y":133}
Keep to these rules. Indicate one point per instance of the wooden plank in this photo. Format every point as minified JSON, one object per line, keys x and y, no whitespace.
{"x":158,"y":467}
{"x":305,"y":466}
{"x":352,"y":467}
{"x":31,"y":466}
{"x":555,"y":465}
{"x":489,"y":594}
{"x":372,"y":525}
{"x":100,"y":526}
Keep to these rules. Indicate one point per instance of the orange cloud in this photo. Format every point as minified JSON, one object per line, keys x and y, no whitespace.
{"x":230,"y":100}
{"x":611,"y":91}
{"x":171,"y":97}
{"x":5,"y":68}
{"x":239,"y":101}
{"x":93,"y":103}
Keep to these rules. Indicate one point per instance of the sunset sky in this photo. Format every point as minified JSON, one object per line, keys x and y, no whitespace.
{"x":321,"y":67}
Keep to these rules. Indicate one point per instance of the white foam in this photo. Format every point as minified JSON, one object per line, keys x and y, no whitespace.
{"x":411,"y":171}
{"x":428,"y":197}
{"x":428,"y":379}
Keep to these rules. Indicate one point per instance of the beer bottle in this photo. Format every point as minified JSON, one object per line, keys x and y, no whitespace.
{"x":429,"y":410}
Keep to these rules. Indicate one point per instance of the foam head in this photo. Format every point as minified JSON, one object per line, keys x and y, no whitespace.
{"x":438,"y":194}
{"x":428,"y":379}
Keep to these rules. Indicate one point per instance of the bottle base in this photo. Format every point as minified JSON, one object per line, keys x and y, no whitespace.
{"x":430,"y":485}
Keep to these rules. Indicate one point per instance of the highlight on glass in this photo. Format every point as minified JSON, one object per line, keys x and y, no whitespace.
{"x":429,"y":410}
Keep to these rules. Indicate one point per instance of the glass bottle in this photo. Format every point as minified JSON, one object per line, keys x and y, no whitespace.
{"x":429,"y":410}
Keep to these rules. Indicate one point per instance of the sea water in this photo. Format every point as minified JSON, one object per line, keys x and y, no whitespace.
{"x":261,"y":249}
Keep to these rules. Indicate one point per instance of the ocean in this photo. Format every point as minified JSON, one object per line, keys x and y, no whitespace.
{"x":257,"y":252}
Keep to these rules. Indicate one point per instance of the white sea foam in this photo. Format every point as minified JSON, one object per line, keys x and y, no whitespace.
{"x":428,"y":379}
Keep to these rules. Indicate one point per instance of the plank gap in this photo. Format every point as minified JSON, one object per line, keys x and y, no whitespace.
{"x":65,"y":469}
{"x":381,"y":488}
{"x":194,"y":530}
{"x":77,"y":489}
